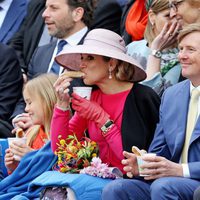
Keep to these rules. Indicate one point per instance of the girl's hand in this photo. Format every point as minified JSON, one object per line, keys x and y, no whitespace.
{"x":20,"y":149}
{"x":10,"y":163}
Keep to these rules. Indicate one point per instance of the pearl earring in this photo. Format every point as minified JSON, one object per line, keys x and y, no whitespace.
{"x":110,"y":73}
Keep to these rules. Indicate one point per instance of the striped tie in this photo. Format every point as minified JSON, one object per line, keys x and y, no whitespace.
{"x":55,"y":66}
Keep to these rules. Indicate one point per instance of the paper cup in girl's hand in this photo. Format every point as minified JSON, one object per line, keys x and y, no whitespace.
{"x":140,"y":162}
{"x":84,"y":92}
{"x":19,"y":141}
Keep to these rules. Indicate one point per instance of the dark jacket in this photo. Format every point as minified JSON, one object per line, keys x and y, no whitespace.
{"x":11,"y":83}
{"x":140,"y":116}
{"x":27,"y":38}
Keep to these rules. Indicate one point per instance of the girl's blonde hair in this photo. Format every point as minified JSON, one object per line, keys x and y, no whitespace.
{"x":42,"y":88}
{"x":156,"y":7}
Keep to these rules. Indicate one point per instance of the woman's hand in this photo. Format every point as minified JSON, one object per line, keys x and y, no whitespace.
{"x":10,"y":163}
{"x":89,"y":110}
{"x":62,"y":90}
{"x":167,"y":37}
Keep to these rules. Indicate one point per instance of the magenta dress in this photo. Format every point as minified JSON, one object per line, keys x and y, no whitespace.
{"x":110,"y":145}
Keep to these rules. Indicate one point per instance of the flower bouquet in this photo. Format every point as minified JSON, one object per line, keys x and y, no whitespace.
{"x":74,"y":155}
{"x":102,"y":170}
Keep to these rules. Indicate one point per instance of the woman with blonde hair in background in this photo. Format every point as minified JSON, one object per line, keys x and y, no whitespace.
{"x":158,"y":52}
{"x":40,"y":99}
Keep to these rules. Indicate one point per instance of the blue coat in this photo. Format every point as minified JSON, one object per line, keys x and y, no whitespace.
{"x":13,"y":19}
{"x":170,"y":132}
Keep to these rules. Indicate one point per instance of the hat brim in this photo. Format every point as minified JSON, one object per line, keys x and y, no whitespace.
{"x":70,"y":57}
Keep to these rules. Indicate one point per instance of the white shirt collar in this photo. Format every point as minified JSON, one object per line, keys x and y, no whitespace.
{"x":192,"y":87}
{"x":6,"y":4}
{"x":76,"y":37}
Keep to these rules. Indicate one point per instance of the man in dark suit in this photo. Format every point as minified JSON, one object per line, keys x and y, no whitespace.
{"x":13,"y":18}
{"x":10,"y":87}
{"x":69,"y":22}
{"x":28,"y":38}
{"x":43,"y":56}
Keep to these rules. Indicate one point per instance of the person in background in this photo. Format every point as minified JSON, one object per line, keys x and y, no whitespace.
{"x":133,"y":21}
{"x":185,"y":11}
{"x":174,"y":171}
{"x":40,"y":99}
{"x":121,"y":112}
{"x":11,"y":83}
{"x":31,"y":34}
{"x":12,"y":13}
{"x":107,"y":14}
{"x":158,"y":51}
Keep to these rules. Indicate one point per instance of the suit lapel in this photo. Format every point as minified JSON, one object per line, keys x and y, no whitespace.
{"x":48,"y":53}
{"x":196,"y":132}
{"x":15,"y":11}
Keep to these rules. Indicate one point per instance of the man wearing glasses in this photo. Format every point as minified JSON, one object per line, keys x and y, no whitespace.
{"x":185,"y":11}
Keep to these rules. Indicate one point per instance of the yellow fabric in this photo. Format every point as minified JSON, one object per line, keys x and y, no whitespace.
{"x":191,"y":121}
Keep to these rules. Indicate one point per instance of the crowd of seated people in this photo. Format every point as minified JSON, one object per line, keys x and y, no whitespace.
{"x":141,"y":59}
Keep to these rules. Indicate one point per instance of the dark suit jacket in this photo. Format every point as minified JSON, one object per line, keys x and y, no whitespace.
{"x":107,"y":15}
{"x":11,"y":83}
{"x":40,"y":61}
{"x":26,"y":40}
{"x":13,"y":19}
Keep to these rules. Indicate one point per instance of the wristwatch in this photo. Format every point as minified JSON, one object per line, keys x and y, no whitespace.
{"x":156,"y":53}
{"x":107,"y":126}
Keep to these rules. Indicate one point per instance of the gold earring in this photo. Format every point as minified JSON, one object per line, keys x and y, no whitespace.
{"x":110,"y":73}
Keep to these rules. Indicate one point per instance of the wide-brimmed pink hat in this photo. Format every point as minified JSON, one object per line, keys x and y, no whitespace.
{"x":99,"y":42}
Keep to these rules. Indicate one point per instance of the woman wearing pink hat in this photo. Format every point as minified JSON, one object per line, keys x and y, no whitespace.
{"x":121,"y":112}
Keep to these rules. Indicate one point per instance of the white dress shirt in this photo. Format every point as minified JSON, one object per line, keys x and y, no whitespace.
{"x":72,"y":41}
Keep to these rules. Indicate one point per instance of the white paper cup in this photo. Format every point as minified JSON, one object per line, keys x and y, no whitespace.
{"x":84,"y":92}
{"x":140,"y":162}
{"x":19,"y":141}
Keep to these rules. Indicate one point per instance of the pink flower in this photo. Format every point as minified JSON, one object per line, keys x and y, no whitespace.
{"x":99,"y":169}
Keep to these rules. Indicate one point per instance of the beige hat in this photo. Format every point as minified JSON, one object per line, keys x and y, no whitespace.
{"x":99,"y":42}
